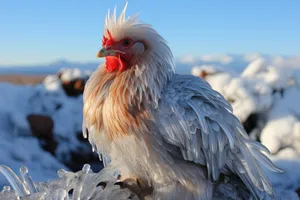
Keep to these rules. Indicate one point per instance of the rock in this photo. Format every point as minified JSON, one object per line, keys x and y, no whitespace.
{"x":82,"y":155}
{"x":251,"y":122}
{"x":42,"y":127}
{"x":298,"y":192}
{"x":74,"y":88}
{"x":203,"y":74}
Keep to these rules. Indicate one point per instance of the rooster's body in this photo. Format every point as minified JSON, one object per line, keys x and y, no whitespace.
{"x":172,"y":130}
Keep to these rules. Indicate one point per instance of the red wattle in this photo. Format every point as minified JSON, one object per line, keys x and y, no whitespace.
{"x":123,"y":64}
{"x":113,"y":63}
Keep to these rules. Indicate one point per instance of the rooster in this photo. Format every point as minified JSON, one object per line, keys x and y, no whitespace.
{"x":172,"y":132}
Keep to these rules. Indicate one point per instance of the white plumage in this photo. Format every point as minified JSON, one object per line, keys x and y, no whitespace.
{"x":172,"y":132}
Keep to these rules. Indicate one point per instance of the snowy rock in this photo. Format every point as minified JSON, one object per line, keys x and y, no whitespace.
{"x":73,"y":81}
{"x":52,"y":83}
{"x":282,"y":129}
{"x":74,"y":88}
{"x":256,"y":66}
{"x":216,"y":76}
{"x":248,"y":97}
{"x":288,"y":153}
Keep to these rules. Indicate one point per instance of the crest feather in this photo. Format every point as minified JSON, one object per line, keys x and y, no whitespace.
{"x":121,"y":18}
{"x":111,"y":20}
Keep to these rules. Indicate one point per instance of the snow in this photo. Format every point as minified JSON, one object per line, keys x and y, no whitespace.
{"x":52,"y":83}
{"x":282,"y":129}
{"x":253,"y":90}
{"x":223,"y":59}
{"x":190,"y":59}
{"x":18,"y":147}
{"x":217,"y":76}
{"x":71,"y":74}
{"x":254,"y":67}
{"x":208,"y":58}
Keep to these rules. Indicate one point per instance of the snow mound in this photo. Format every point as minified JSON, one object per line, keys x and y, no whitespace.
{"x":283,"y":127}
{"x":217,"y":76}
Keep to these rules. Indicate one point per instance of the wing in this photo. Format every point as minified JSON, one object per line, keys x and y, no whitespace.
{"x":198,"y":120}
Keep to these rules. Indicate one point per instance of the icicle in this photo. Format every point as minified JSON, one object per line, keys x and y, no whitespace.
{"x":14,"y":181}
{"x":84,"y":130}
{"x":61,"y":173}
{"x":6,"y":188}
{"x":78,"y":190}
{"x":106,"y":160}
{"x":100,"y":156}
{"x":27,"y":181}
{"x":86,"y":168}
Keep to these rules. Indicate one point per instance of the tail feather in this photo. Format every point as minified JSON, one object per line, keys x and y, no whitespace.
{"x":247,"y":165}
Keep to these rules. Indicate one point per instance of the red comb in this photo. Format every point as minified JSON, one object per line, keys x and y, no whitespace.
{"x":107,"y":41}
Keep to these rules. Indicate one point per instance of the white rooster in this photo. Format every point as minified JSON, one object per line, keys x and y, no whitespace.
{"x":174,"y":131}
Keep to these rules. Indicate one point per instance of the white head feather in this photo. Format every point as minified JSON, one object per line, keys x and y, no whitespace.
{"x":155,"y":64}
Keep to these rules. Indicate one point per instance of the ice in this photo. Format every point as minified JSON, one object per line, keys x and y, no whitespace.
{"x":83,"y":185}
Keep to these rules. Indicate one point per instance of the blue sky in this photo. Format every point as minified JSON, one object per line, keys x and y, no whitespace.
{"x":39,"y":31}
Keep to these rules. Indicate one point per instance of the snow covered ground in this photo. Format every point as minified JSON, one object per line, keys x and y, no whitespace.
{"x":266,"y":87}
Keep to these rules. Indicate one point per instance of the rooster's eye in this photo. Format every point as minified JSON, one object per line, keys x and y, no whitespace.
{"x":126,"y":42}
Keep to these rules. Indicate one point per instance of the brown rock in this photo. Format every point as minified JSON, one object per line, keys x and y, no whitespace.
{"x":203,"y":74}
{"x":79,"y":85}
{"x":42,"y":127}
{"x":74,"y":88}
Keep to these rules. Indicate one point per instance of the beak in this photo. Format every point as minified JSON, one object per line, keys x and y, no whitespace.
{"x":105,"y":52}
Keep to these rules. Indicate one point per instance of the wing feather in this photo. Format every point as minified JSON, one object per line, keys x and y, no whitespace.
{"x":198,"y":120}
